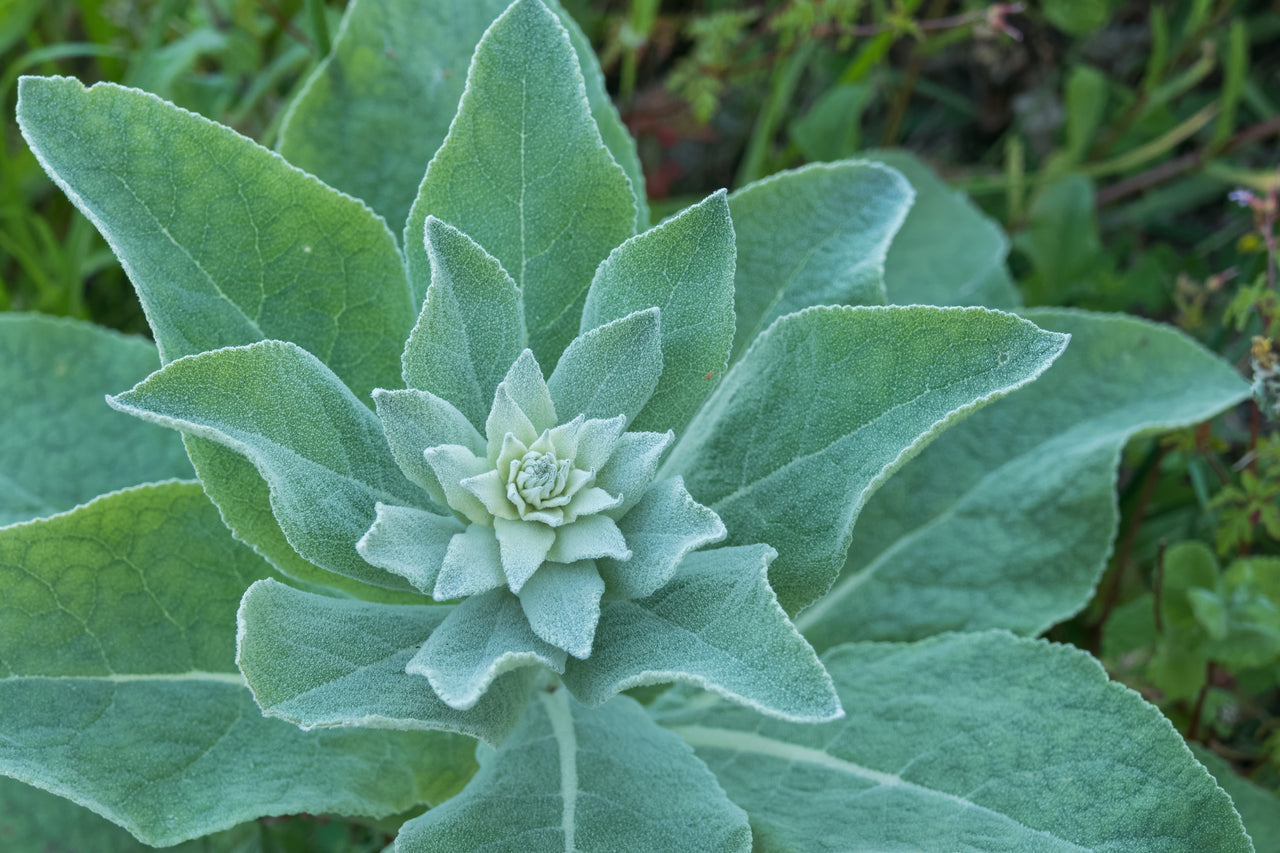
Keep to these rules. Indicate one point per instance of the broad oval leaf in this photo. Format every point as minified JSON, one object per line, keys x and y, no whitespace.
{"x":571,"y":778}
{"x":375,"y":111}
{"x":817,"y":235}
{"x":828,"y":403}
{"x":1007,"y":521}
{"x":524,"y":173}
{"x":684,"y":267}
{"x":611,"y":370}
{"x":60,"y":443}
{"x":321,"y":451}
{"x":947,"y":252}
{"x":318,"y":661}
{"x":119,"y":689}
{"x":224,"y":241}
{"x":984,"y":743}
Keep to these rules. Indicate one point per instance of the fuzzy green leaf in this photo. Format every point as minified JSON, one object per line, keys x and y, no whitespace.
{"x":828,"y":403}
{"x":482,"y":638}
{"x":1007,"y":521}
{"x":225,"y":242}
{"x":322,"y":452}
{"x":947,"y":252}
{"x":814,"y":236}
{"x":318,"y":661}
{"x":611,"y":370}
{"x":1258,"y":807}
{"x":120,"y":692}
{"x":562,"y":604}
{"x":981,"y":742}
{"x":525,"y":173}
{"x":471,"y":327}
{"x":373,"y":114}
{"x":409,"y":542}
{"x":684,"y":267}
{"x":60,"y":444}
{"x":570,"y":778}
{"x":414,"y":421}
{"x":717,"y":625}
{"x":660,"y":529}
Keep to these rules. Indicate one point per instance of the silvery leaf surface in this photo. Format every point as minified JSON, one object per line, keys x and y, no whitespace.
{"x":119,"y":687}
{"x":1258,"y":807}
{"x":947,"y":251}
{"x":610,"y":370}
{"x":716,"y":624}
{"x":375,"y":111}
{"x":524,"y":172}
{"x":572,"y":778}
{"x":226,"y":244}
{"x":1008,"y":519}
{"x":318,"y":661}
{"x":60,"y":444}
{"x":471,"y":327}
{"x":829,"y":402}
{"x":684,"y":267}
{"x":817,"y":235}
{"x":322,"y":452}
{"x":965,"y":743}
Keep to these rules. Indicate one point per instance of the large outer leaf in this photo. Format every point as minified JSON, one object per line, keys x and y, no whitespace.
{"x":978,"y":743}
{"x":525,"y":174}
{"x":1258,"y":807}
{"x":323,"y":453}
{"x":829,"y":402}
{"x":60,"y":444}
{"x":567,"y":779}
{"x":320,"y":661}
{"x":375,"y":111}
{"x":813,"y":236}
{"x":947,"y":251}
{"x":1007,"y":520}
{"x":119,"y":687}
{"x":684,"y":267}
{"x":716,"y":625}
{"x":226,"y":244}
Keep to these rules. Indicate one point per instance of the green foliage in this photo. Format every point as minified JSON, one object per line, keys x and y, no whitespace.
{"x":625,"y":457}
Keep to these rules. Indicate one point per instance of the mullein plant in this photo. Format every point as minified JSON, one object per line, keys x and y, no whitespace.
{"x":484,"y":480}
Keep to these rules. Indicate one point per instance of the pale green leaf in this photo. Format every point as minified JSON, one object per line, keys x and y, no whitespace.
{"x":322,"y":452}
{"x":415,"y":420}
{"x":120,"y":692}
{"x":521,"y":405}
{"x":482,"y":638}
{"x":684,"y":267}
{"x":716,"y":625}
{"x":318,"y":661}
{"x":409,"y":542}
{"x":1258,"y":807}
{"x":660,"y":529}
{"x":983,"y":743}
{"x":60,"y":444}
{"x":524,"y":173}
{"x":817,"y":235}
{"x":472,"y":564}
{"x":947,"y":252}
{"x":1008,"y":519}
{"x":828,"y":403}
{"x":471,"y":328}
{"x":611,"y":370}
{"x":33,"y":821}
{"x":562,"y":604}
{"x":570,"y":778}
{"x":372,"y":115}
{"x":225,"y":242}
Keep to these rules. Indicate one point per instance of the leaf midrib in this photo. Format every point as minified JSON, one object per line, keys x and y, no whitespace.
{"x":739,"y":741}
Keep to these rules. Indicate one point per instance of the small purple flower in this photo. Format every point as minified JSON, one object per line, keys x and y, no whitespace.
{"x":1241,"y":196}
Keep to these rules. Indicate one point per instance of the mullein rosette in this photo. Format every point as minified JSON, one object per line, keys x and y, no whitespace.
{"x":532,"y":526}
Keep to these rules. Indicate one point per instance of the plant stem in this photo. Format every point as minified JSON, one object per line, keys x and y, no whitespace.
{"x":1126,"y":545}
{"x":1198,"y":711}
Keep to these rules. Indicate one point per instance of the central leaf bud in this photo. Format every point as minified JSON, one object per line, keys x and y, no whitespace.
{"x":539,"y":480}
